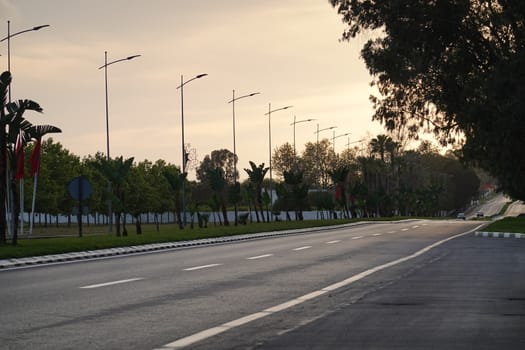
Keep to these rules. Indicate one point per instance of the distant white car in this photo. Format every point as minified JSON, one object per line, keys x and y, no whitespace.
{"x":462,"y":216}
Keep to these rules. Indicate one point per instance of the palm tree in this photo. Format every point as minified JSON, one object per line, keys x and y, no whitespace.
{"x":298,"y":190}
{"x":175,"y":179}
{"x":256,"y":175}
{"x":380,"y":145}
{"x":13,"y":124}
{"x":116,"y":171}
{"x":217,"y":181}
{"x":339,"y":176}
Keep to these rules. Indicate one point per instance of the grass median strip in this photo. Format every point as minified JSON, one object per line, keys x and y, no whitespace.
{"x":509,"y":224}
{"x":54,"y":241}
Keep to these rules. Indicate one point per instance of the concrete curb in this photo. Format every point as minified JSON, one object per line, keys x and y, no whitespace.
{"x":499,"y":234}
{"x":100,"y":253}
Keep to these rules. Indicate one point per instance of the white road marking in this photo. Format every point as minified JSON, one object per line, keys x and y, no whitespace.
{"x":259,"y":257}
{"x":357,"y":237}
{"x":416,"y":226}
{"x":391,"y":232}
{"x":111,"y":283}
{"x":377,"y":234}
{"x":332,"y":242}
{"x":303,"y":248}
{"x":208,"y":333}
{"x":201,"y":267}
{"x":404,"y":229}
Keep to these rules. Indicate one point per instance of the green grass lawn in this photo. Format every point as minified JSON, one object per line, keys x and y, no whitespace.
{"x":510,"y":224}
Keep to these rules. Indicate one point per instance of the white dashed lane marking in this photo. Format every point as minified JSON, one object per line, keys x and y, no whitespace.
{"x":259,"y":257}
{"x":302,"y":248}
{"x":332,"y":242}
{"x":377,"y":234}
{"x":357,"y":237}
{"x":201,"y":267}
{"x":111,"y":283}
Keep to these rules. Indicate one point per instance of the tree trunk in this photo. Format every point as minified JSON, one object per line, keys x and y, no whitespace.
{"x":138,"y":225}
{"x":124,"y":229}
{"x":15,"y":211}
{"x":225,"y":214}
{"x":117,"y":223}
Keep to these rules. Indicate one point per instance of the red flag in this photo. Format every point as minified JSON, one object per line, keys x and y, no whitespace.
{"x":35,"y":159}
{"x":19,"y":155}
{"x":338,"y":192}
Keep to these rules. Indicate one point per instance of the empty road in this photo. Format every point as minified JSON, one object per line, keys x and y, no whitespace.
{"x":412,"y":284}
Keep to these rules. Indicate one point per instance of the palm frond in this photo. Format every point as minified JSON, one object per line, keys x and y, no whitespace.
{"x":18,"y":125}
{"x":37,"y":131}
{"x":20,"y":106}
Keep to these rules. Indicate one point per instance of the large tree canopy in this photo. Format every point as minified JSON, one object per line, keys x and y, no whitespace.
{"x":453,"y":67}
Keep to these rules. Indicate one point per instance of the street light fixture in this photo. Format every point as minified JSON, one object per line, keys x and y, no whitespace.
{"x":335,"y":137}
{"x":317,"y":146}
{"x":297,"y":122}
{"x":105,"y":66}
{"x":8,"y":38}
{"x":232,"y":101}
{"x":184,"y":154}
{"x":269,"y":114}
{"x":350,"y":143}
{"x":318,"y":131}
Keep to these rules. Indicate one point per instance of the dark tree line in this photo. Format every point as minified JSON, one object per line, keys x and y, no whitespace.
{"x":385,"y":182}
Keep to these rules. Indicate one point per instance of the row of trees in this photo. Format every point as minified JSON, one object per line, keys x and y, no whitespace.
{"x":381,"y":180}
{"x":454,"y":68}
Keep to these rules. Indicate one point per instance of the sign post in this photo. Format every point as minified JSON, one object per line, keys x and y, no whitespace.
{"x":80,"y":189}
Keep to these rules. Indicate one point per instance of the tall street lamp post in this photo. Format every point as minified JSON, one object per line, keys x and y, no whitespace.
{"x":232,"y":101}
{"x":105,"y":66}
{"x":317,"y":148}
{"x":297,"y":122}
{"x":338,"y":136}
{"x":184,"y":154}
{"x":8,"y":38}
{"x":269,"y":114}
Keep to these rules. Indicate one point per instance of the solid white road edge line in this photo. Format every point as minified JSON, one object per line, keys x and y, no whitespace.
{"x":201,"y":267}
{"x":111,"y":283}
{"x":208,"y":333}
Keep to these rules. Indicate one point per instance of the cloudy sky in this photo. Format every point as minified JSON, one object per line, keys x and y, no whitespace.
{"x":288,"y":50}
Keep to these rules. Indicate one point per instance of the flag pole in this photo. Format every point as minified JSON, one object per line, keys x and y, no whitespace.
{"x":31,"y":218}
{"x":35,"y":170}
{"x":21,"y":207}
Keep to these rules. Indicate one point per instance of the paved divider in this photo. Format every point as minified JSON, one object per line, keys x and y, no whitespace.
{"x":500,"y":234}
{"x":101,"y":253}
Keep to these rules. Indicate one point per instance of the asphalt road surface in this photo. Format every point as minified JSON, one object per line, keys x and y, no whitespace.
{"x":408,"y":285}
